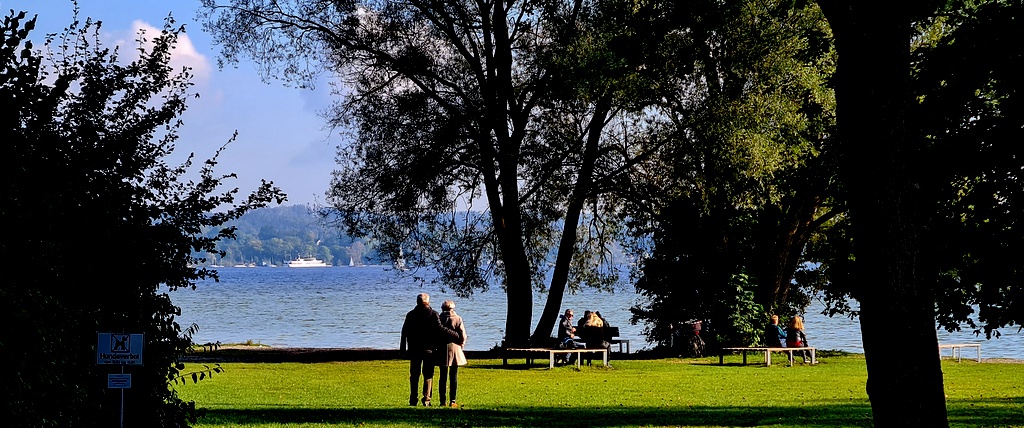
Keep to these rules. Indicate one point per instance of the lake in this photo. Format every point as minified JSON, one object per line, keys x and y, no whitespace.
{"x":364,"y":307}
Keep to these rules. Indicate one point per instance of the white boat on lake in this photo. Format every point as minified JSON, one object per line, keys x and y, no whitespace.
{"x":304,"y":262}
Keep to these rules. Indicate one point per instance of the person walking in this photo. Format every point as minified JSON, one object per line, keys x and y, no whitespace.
{"x":451,"y":355}
{"x":421,"y":333}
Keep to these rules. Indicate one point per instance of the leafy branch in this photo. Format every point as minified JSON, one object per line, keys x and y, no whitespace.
{"x":198,"y":375}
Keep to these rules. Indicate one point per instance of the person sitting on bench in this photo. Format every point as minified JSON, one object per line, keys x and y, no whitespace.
{"x":795,"y":337}
{"x":566,"y":333}
{"x":774,"y":337}
{"x":593,"y":335}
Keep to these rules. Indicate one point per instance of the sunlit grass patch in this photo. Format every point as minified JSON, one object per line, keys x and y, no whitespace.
{"x":661,"y":392}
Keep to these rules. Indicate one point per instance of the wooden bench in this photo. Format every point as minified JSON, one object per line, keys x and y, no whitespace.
{"x":512,"y":352}
{"x":612,"y":337}
{"x":767,"y":353}
{"x":955,"y":349}
{"x":620,"y":342}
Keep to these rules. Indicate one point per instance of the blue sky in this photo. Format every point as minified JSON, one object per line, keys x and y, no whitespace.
{"x":281,"y":137}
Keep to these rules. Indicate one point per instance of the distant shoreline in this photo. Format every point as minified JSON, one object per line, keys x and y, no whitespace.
{"x":268,"y":354}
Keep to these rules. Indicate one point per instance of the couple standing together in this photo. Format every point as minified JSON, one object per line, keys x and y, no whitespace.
{"x":433,"y":340}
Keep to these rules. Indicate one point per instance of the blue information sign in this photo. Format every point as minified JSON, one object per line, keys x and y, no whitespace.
{"x":119,"y":348}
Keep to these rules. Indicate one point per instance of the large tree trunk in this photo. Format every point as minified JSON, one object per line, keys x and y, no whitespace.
{"x":784,"y":234}
{"x":567,"y":245}
{"x":503,"y":189}
{"x":905,"y":385}
{"x":503,"y":198}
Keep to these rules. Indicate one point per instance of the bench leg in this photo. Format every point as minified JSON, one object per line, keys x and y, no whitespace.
{"x":767,"y":358}
{"x":814,"y":360}
{"x":551,"y":360}
{"x":605,"y":358}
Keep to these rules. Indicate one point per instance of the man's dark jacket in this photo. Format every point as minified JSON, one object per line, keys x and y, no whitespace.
{"x":423,"y":331}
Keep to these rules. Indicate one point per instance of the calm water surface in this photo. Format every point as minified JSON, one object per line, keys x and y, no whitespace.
{"x":364,"y":307}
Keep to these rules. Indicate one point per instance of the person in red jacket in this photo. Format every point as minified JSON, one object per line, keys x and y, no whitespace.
{"x":795,"y":337}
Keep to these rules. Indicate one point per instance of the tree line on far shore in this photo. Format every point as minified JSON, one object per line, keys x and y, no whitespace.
{"x":275,"y":235}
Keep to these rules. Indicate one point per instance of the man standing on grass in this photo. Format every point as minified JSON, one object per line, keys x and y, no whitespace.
{"x":421,"y":333}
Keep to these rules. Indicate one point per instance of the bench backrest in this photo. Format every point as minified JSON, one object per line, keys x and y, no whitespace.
{"x":611,"y":331}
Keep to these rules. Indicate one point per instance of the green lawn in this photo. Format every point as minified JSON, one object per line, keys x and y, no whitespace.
{"x":662,"y":392}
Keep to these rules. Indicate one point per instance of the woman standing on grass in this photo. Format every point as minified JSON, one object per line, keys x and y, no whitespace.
{"x":452,"y":355}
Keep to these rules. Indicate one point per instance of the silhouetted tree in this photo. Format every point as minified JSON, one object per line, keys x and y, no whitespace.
{"x":85,"y":136}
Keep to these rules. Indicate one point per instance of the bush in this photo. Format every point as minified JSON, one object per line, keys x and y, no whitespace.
{"x":97,"y":223}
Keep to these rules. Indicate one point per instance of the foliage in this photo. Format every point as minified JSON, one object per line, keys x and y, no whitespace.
{"x":829,"y":267}
{"x":652,"y":393}
{"x":745,"y":180}
{"x":197,"y":375}
{"x":86,"y":135}
{"x":972,"y":122}
{"x":966,"y":123}
{"x":457,"y":104}
{"x":745,"y":318}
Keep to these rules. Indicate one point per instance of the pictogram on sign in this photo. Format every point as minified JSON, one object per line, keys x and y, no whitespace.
{"x":119,"y":348}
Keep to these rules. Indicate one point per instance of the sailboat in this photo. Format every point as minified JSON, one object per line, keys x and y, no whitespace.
{"x":400,"y":261}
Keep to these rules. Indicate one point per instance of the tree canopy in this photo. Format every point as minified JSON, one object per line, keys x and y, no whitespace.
{"x":725,"y":210}
{"x":455,"y":104}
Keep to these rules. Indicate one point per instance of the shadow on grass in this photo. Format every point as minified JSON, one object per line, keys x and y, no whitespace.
{"x":989,"y":412}
{"x":833,"y":415}
{"x":819,"y":416}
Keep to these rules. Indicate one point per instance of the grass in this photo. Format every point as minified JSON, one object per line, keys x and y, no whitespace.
{"x":661,"y":392}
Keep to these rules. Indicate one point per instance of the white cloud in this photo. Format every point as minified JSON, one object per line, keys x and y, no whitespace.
{"x":183,"y":55}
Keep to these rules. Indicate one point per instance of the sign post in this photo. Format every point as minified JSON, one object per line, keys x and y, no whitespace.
{"x":121,"y":349}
